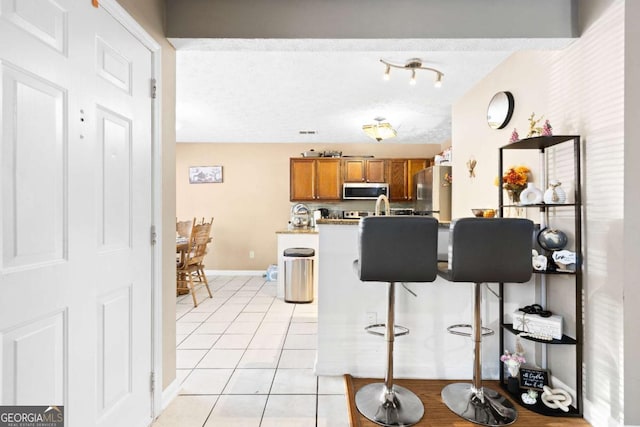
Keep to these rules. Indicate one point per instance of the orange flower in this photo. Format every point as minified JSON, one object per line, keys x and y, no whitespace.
{"x":515,"y":178}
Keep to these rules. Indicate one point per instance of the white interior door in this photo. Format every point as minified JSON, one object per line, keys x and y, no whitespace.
{"x":75,"y":273}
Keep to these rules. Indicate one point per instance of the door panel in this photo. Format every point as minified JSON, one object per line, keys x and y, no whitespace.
{"x":114,"y":180}
{"x":114,"y":348}
{"x":75,"y":273}
{"x":42,"y":19}
{"x":112,"y":66}
{"x":34,"y":354}
{"x":33,"y":170}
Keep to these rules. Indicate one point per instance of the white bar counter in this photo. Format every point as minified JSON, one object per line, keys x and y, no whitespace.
{"x":346,"y":305}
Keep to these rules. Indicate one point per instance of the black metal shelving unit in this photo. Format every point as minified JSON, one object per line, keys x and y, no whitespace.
{"x":541,"y":143}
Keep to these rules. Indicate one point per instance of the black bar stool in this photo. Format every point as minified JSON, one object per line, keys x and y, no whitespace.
{"x":394,"y":249}
{"x":483,"y":250}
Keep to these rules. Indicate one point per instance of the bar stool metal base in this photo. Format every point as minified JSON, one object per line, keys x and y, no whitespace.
{"x":401,"y":407}
{"x":481,"y":406}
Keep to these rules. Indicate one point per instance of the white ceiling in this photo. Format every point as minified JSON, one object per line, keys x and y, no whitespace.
{"x":234,"y":91}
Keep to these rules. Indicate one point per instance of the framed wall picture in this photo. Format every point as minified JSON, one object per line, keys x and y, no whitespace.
{"x":205,"y":174}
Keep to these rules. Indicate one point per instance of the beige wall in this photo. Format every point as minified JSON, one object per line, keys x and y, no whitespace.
{"x":562,"y":86}
{"x":150,"y":14}
{"x":253,"y":201}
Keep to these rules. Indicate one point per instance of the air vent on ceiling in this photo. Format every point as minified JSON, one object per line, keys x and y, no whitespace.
{"x":307,"y":132}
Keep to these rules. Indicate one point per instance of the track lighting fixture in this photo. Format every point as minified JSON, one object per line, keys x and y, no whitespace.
{"x":412,"y":64}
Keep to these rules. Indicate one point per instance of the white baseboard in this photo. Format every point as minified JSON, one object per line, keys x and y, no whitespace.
{"x":235,"y":272}
{"x":168,"y":394}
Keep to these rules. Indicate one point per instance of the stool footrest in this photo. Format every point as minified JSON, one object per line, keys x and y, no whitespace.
{"x":452,"y":330}
{"x":398,"y":330}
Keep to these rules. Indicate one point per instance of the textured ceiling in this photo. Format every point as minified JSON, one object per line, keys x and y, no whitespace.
{"x":270,"y":90}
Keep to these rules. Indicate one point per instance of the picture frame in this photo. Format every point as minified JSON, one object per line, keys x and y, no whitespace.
{"x":205,"y":174}
{"x":533,"y":378}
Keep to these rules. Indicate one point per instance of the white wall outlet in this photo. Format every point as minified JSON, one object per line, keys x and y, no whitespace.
{"x":252,"y":254}
{"x":372,"y":318}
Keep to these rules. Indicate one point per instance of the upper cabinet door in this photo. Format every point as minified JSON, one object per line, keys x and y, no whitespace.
{"x":375,"y":171}
{"x":354,"y":170}
{"x":302,"y":179}
{"x":314,"y":179}
{"x":328,"y":179}
{"x":364,"y":170}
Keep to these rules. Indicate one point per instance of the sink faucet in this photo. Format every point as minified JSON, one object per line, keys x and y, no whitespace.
{"x":381,"y":198}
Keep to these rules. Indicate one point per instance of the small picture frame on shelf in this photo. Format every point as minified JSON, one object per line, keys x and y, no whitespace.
{"x":533,"y":378}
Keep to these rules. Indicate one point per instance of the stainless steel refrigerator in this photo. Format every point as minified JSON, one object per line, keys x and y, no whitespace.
{"x":432,"y":190}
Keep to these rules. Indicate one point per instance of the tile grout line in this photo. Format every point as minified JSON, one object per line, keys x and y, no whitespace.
{"x":289,"y":320}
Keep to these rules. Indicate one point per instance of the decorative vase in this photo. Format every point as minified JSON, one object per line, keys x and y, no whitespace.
{"x":513,"y":385}
{"x":514,"y":210}
{"x":531,"y":195}
{"x":555,"y":194}
{"x":514,"y":196}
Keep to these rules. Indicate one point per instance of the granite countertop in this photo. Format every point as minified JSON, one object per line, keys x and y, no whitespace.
{"x":339,"y":221}
{"x":356,"y":221}
{"x":298,"y":231}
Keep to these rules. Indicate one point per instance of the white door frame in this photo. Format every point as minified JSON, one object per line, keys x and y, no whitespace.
{"x":123,"y":17}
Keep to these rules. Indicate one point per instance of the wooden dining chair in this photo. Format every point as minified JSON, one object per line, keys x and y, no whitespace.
{"x":201,"y":265}
{"x":190,"y":270}
{"x":183,"y":228}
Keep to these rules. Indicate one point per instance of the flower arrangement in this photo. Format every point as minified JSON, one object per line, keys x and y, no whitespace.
{"x":513,"y":362}
{"x":514,"y":180}
{"x":534,"y":129}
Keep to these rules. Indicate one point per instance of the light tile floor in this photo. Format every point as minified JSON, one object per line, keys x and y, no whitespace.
{"x":245,"y":359}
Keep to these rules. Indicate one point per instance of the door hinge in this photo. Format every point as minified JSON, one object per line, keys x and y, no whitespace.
{"x":154,"y":88}
{"x":154,"y":235}
{"x":152,"y":382}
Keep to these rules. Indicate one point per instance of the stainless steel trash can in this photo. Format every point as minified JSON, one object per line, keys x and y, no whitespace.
{"x":298,"y":274}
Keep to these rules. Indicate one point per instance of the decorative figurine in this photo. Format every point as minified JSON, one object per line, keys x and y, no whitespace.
{"x":514,"y":136}
{"x":530,"y":397}
{"x":556,"y":398}
{"x":538,"y":261}
{"x":547,"y":129}
{"x":471,"y":165}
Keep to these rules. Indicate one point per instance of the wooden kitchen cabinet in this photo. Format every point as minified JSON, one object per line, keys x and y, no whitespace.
{"x":398,"y":174}
{"x":314,"y":179}
{"x":364,"y":170}
{"x":400,"y":177}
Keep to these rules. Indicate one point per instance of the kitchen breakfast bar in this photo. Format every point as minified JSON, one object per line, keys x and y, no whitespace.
{"x":346,"y":306}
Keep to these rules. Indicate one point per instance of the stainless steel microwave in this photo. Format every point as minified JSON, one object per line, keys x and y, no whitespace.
{"x":363,"y":190}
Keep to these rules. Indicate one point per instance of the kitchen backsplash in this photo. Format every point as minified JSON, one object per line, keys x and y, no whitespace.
{"x":354,"y":205}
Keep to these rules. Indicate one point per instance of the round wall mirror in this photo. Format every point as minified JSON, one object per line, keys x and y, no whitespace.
{"x":500,"y":110}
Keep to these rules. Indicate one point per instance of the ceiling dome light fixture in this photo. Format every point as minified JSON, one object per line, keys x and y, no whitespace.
{"x":412,"y":64}
{"x":379,"y":131}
